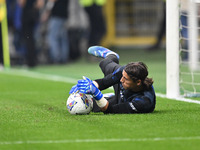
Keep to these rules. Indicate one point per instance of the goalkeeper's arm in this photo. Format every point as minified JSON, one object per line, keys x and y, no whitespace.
{"x":102,"y":103}
{"x":88,"y":86}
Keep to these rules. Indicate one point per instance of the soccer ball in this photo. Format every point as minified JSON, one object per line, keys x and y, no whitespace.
{"x":78,"y":104}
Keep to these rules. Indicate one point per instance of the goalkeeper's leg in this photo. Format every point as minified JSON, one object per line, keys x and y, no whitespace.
{"x":109,"y":64}
{"x":100,"y":51}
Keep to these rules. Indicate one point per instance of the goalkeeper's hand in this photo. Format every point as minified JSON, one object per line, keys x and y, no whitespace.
{"x":86,"y":86}
{"x":74,"y":89}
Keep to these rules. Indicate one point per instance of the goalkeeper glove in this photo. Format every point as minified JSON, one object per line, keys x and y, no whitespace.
{"x":86,"y":86}
{"x":74,"y":89}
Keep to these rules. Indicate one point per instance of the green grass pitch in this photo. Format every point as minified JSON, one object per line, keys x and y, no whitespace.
{"x":33,"y":114}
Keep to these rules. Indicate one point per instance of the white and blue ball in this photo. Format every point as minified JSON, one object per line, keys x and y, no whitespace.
{"x":79,"y":104}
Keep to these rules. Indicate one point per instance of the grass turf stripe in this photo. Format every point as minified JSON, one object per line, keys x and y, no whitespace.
{"x":57,"y":78}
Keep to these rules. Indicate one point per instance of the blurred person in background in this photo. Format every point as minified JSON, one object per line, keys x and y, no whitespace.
{"x":77,"y":26}
{"x":161,"y":31}
{"x":93,"y":9}
{"x":18,"y":32}
{"x":30,"y":18}
{"x":56,"y":13}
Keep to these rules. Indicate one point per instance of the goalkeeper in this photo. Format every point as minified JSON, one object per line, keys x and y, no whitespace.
{"x":134,"y":92}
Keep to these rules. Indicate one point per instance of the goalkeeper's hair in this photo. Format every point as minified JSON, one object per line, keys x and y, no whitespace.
{"x":139,"y":71}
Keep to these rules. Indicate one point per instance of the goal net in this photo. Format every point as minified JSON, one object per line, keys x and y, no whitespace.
{"x":183,"y":52}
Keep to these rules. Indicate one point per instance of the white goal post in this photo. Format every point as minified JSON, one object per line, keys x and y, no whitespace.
{"x":174,"y":49}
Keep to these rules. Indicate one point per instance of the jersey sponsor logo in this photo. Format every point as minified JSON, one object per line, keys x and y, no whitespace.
{"x":132,"y":106}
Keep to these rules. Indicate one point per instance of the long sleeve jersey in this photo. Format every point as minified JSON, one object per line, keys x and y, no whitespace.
{"x":127,"y":100}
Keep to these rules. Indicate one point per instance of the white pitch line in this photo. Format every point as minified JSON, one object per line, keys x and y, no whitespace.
{"x":101,"y":140}
{"x":57,"y":78}
{"x":36,"y":75}
{"x":182,"y":99}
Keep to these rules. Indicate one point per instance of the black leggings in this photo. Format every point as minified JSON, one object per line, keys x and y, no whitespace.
{"x":109,"y":64}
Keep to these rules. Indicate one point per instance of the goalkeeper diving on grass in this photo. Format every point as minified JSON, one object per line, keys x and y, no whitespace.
{"x":134,"y":92}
